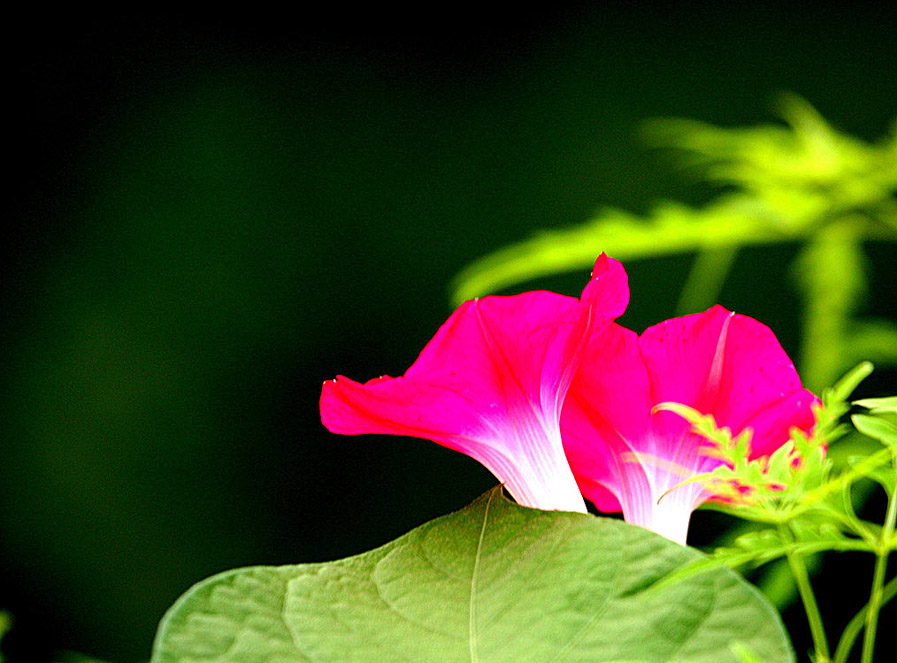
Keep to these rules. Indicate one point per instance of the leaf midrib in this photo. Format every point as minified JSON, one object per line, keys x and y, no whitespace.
{"x":472,"y":611}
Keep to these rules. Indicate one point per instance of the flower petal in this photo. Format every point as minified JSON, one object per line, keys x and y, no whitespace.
{"x":720,"y":363}
{"x":606,"y":418}
{"x":772,"y":424}
{"x":624,"y":457}
{"x":491,"y":384}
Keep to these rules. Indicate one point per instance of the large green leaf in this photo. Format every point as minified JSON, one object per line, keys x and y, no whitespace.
{"x":491,"y":583}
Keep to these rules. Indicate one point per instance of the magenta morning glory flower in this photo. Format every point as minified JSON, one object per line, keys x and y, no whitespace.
{"x":627,"y":457}
{"x":491,"y":384}
{"x":555,"y":398}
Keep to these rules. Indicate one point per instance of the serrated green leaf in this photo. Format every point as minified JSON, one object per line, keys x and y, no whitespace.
{"x":806,"y":171}
{"x":758,"y":547}
{"x":731,"y":221}
{"x":492,"y":583}
{"x":790,"y":182}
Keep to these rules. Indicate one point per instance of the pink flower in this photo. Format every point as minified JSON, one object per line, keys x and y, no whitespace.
{"x":491,"y":384}
{"x":549,"y":394}
{"x":627,"y":458}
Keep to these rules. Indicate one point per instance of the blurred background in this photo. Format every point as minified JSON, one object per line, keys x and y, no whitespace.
{"x":210,"y":215}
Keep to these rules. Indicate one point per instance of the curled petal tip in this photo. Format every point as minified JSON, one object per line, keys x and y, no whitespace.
{"x":718,"y":363}
{"x":608,"y":290}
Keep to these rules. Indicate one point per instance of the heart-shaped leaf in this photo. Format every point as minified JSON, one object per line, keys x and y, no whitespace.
{"x":492,"y":583}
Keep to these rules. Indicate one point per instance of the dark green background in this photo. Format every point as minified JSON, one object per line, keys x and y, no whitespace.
{"x":213,"y":214}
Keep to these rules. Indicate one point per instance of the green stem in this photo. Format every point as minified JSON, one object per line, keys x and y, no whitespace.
{"x":875,"y":600}
{"x":853,"y":628}
{"x":814,"y":618}
{"x":705,"y":280}
{"x":831,"y":277}
{"x":878,"y":579}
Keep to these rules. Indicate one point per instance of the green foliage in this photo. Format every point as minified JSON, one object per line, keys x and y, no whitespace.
{"x":801,"y":506}
{"x":732,"y":220}
{"x":803,"y":173}
{"x":493,"y":582}
{"x":796,"y":484}
{"x":794,"y":479}
{"x":801,"y":182}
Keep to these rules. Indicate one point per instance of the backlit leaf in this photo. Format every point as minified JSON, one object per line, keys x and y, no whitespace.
{"x":492,"y":583}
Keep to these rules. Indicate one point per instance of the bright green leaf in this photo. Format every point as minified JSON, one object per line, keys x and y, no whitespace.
{"x":671,"y":228}
{"x":807,"y":171}
{"x":843,"y":388}
{"x":879,"y":405}
{"x":492,"y":583}
{"x":876,"y":428}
